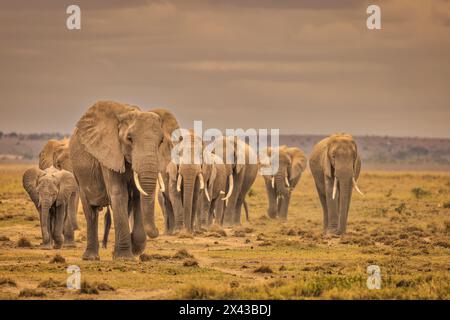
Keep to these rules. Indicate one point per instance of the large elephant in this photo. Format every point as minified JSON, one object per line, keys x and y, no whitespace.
{"x":211,"y":203}
{"x":51,"y":191}
{"x":291,"y":164}
{"x":56,"y":153}
{"x":186,"y":181}
{"x":116,"y":152}
{"x":244,"y":171}
{"x":335,"y":165}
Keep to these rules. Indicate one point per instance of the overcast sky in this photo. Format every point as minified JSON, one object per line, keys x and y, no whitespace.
{"x":304,"y":66}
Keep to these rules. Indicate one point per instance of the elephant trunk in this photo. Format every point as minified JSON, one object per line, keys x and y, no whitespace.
{"x":188,"y":199}
{"x":146,"y":179}
{"x":45,"y":220}
{"x":345,"y":194}
{"x":280,"y":184}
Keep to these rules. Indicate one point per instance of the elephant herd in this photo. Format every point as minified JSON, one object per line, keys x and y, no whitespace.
{"x":118,"y":154}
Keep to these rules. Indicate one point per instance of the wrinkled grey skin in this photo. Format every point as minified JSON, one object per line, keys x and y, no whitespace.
{"x":216,"y":175}
{"x":51,"y":191}
{"x":55,"y":153}
{"x":110,"y":142}
{"x":244,"y":175}
{"x":335,"y":156}
{"x":291,"y":164}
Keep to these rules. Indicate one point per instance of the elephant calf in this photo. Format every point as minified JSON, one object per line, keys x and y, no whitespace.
{"x":51,"y":191}
{"x":291,"y":164}
{"x":335,"y":165}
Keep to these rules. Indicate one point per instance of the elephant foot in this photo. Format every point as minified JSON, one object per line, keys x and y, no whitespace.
{"x":272,"y":215}
{"x":69,"y":244}
{"x":152,"y":233}
{"x":46,"y":246}
{"x":90,"y":255}
{"x":123,"y":255}
{"x":138,"y":249}
{"x":57,"y":245}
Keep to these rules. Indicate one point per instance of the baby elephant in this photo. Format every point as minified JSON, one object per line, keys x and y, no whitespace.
{"x":335,"y":165}
{"x":291,"y":164}
{"x":51,"y":191}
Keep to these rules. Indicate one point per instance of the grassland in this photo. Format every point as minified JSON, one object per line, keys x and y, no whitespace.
{"x":402,"y":224}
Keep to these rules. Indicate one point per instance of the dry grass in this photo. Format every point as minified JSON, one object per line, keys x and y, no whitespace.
{"x":405,"y":232}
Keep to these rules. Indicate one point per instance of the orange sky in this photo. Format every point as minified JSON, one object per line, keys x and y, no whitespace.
{"x":303,"y":66}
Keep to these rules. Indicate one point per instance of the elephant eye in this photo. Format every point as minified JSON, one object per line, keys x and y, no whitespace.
{"x":129,"y":138}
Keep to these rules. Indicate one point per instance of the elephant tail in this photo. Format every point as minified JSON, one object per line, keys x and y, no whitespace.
{"x":246,"y":210}
{"x":107,"y":227}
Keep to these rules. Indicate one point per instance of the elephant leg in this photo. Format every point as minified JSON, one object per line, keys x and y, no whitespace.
{"x":177,"y":207}
{"x":107,"y":227}
{"x":272,"y":211}
{"x":210,"y":218}
{"x":230,"y":215}
{"x":73,"y":209}
{"x":332,"y":206}
{"x":91,"y":215}
{"x":138,"y":235}
{"x":220,"y":205}
{"x":69,"y":239}
{"x":116,"y":186}
{"x":166,"y":207}
{"x":58,"y":226}
{"x":284,"y":206}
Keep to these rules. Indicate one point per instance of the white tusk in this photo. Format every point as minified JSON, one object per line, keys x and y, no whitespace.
{"x":334,"y":188}
{"x":207,"y":195}
{"x":222,"y":192}
{"x":131,"y":221}
{"x":138,"y":185}
{"x":273,"y":182}
{"x":287,"y":182}
{"x":356,"y":187}
{"x":179,"y":183}
{"x":162,"y":187}
{"x":202,"y":181}
{"x":230,"y":189}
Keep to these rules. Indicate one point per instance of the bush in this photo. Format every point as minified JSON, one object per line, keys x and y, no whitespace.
{"x":419,"y":192}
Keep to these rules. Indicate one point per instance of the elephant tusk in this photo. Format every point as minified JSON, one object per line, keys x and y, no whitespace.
{"x":202,"y":181}
{"x":179,"y":183}
{"x":222,"y":192}
{"x":356,"y":187}
{"x":138,"y":185}
{"x":162,"y":187}
{"x":131,"y":222}
{"x":230,"y":189}
{"x":287,"y":182}
{"x":207,"y":195}
{"x":334,"y":188}
{"x":273,"y":182}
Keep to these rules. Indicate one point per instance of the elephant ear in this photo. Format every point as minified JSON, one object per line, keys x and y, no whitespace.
{"x":29,"y":182}
{"x":168,"y":125}
{"x":298,"y":162}
{"x":98,"y":130}
{"x":67,"y":186}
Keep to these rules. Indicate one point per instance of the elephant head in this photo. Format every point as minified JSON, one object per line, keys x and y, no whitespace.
{"x":61,"y":159}
{"x":342,"y":164}
{"x":291,"y":164}
{"x":46,"y":156}
{"x":49,"y":189}
{"x":120,"y":136}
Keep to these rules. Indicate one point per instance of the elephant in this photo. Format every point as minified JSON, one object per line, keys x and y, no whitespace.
{"x":291,"y":164}
{"x":211,"y":203}
{"x":186,"y":181}
{"x":245,"y":168}
{"x":335,"y":165}
{"x":51,"y":191}
{"x":117,"y":152}
{"x":55,"y":153}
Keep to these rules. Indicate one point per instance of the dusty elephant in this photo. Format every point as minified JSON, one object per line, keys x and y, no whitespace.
{"x":51,"y":190}
{"x":116,"y":152}
{"x":335,"y":165}
{"x":56,"y":153}
{"x":291,"y":164}
{"x":245,"y":167}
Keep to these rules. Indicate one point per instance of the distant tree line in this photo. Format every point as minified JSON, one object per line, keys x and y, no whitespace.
{"x":33,"y":136}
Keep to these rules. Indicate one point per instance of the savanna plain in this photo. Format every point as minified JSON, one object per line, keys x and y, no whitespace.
{"x":402,"y":224}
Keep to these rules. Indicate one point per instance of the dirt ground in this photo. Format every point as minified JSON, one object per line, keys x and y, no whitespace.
{"x":402,"y":224}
